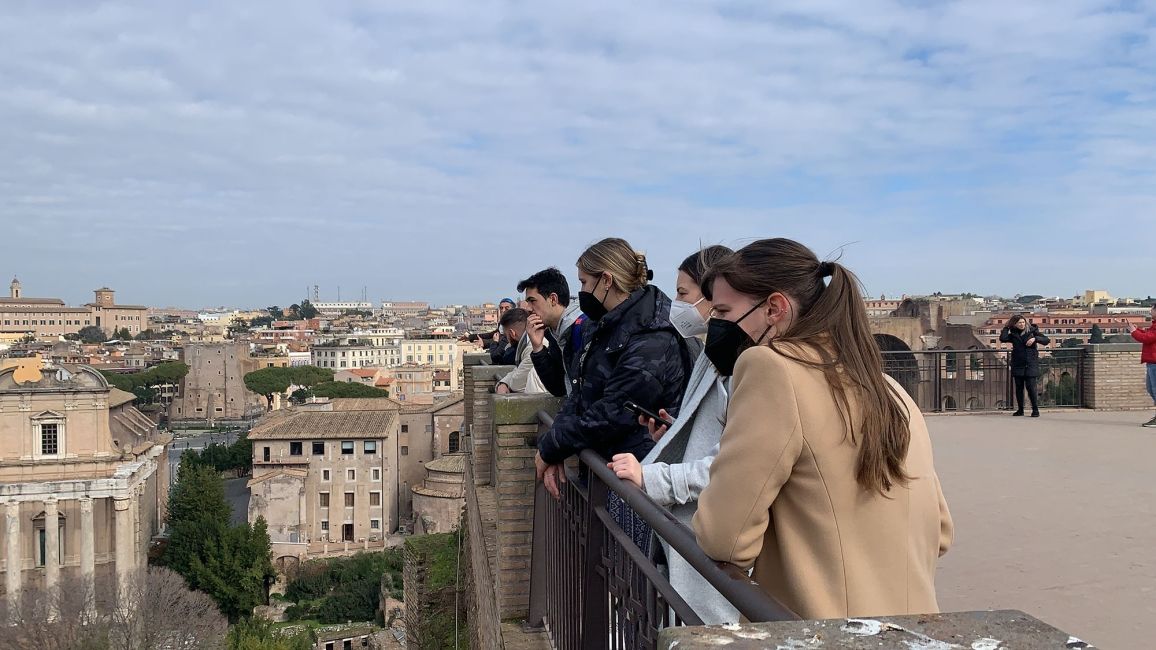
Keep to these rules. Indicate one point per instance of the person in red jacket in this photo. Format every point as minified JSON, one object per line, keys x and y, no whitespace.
{"x":1147,"y":336}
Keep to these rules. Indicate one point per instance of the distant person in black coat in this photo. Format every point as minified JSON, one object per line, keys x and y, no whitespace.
{"x":1025,"y":358}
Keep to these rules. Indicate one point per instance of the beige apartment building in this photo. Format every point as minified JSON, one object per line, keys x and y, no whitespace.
{"x":439,"y":353}
{"x":50,"y":317}
{"x":83,"y":479}
{"x":325,"y":481}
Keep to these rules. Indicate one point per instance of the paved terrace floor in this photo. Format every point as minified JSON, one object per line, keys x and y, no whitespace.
{"x":1054,"y":516}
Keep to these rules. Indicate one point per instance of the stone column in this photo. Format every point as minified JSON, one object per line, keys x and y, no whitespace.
{"x":124,"y":544}
{"x":14,"y":569}
{"x":51,"y":544}
{"x":87,"y":552}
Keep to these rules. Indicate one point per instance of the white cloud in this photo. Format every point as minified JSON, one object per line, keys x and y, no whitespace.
{"x":262,"y":137}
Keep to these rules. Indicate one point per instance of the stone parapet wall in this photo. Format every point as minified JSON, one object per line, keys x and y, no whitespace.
{"x":1114,"y":377}
{"x":515,"y":420}
{"x":481,"y":590}
{"x":479,"y":391}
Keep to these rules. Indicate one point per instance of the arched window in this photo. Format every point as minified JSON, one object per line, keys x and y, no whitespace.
{"x":949,"y":403}
{"x":455,"y":441}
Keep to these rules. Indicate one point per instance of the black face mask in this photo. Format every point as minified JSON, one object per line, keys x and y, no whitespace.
{"x":594,"y":308}
{"x":725,"y":341}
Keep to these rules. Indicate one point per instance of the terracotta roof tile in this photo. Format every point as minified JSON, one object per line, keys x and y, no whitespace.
{"x":327,"y":425}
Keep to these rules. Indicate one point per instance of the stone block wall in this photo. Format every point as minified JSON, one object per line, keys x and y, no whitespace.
{"x":481,"y":590}
{"x":479,"y":392}
{"x":515,"y":426}
{"x":1114,"y":377}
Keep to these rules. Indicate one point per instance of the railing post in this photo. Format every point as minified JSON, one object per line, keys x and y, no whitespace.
{"x":535,"y":620}
{"x":1008,"y":381}
{"x":595,"y":606}
{"x":937,"y":388}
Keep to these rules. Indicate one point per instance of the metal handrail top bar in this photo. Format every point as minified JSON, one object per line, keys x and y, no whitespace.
{"x":734,"y":585}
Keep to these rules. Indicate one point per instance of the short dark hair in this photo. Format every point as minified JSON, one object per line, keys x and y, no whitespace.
{"x":697,"y":264}
{"x":514,"y":316}
{"x":546,"y":282}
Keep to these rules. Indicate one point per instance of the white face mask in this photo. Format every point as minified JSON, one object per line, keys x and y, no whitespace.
{"x":686,"y":319}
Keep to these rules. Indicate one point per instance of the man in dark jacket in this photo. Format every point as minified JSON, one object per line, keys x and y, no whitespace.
{"x":633,"y":354}
{"x":554,"y":328}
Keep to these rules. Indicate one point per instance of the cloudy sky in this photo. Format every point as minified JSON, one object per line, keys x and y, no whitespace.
{"x":225,"y":152}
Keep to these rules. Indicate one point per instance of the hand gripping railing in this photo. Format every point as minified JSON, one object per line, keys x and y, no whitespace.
{"x":591,"y":584}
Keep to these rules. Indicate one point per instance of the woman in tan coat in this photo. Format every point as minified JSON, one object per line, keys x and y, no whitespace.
{"x":824,"y":480}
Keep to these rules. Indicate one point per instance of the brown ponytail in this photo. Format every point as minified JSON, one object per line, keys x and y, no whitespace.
{"x":831,"y":319}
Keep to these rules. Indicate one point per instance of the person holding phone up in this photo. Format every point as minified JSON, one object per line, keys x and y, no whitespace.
{"x":675,"y":472}
{"x":1147,"y":338}
{"x":1025,"y":359}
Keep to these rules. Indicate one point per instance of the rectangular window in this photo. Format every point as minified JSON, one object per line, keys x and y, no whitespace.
{"x":348,"y":499}
{"x":376,"y":474}
{"x":324,"y":475}
{"x":324,"y":524}
{"x":346,"y":447}
{"x":351,"y":475}
{"x":370,"y":446}
{"x":404,"y":450}
{"x":375,"y":524}
{"x":295,"y":448}
{"x":49,"y":439}
{"x":375,"y":498}
{"x":318,"y":448}
{"x":405,"y":428}
{"x":324,"y":499}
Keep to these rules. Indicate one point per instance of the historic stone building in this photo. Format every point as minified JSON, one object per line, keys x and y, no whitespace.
{"x":50,"y":317}
{"x":438,"y":502}
{"x":214,"y":389}
{"x":83,"y":479}
{"x":325,"y":480}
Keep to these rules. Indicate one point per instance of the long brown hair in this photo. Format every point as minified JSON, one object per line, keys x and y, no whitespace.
{"x":831,"y":320}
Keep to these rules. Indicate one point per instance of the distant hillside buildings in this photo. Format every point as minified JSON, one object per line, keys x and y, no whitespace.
{"x":50,"y":317}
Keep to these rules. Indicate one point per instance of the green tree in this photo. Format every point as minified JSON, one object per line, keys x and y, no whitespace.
{"x":268,"y":382}
{"x":345,"y":589}
{"x":261,"y":321}
{"x":146,"y":335}
{"x":310,"y":375}
{"x":1027,"y":300}
{"x":229,"y":563}
{"x":92,"y":334}
{"x":1097,"y":335}
{"x":307,"y":310}
{"x":294,"y":312}
{"x":346,"y":389}
{"x":275,"y":312}
{"x":122,"y":334}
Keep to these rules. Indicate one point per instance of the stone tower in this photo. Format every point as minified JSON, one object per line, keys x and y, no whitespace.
{"x":14,"y":288}
{"x":105,"y":297}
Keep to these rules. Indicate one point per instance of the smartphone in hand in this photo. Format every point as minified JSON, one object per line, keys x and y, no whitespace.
{"x":644,"y":412}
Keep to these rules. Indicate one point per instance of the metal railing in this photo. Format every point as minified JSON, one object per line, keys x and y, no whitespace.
{"x":981,"y":379}
{"x":592,"y":587}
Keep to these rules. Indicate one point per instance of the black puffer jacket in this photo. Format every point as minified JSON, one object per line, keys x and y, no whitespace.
{"x":634,"y":355}
{"x":1025,"y":359}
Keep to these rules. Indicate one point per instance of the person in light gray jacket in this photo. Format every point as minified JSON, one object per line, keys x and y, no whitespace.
{"x":677,"y":469}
